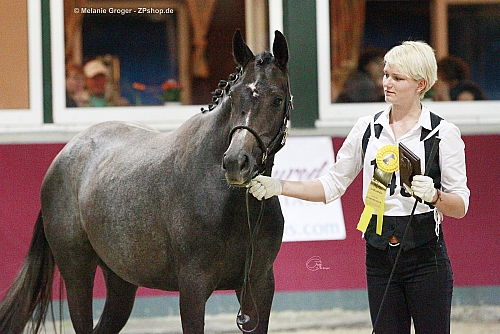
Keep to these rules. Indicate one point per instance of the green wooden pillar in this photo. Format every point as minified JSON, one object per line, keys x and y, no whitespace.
{"x":46,"y":63}
{"x":299,"y":23}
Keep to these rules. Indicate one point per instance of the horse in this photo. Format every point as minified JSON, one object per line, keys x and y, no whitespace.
{"x":164,"y":210}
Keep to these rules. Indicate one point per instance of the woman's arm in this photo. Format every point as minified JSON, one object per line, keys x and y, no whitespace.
{"x":451,"y":205}
{"x":310,"y":190}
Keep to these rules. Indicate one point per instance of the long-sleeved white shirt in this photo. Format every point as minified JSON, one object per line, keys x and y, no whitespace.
{"x":350,"y":161}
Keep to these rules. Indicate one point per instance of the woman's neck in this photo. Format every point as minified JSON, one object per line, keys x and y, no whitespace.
{"x":406,"y":112}
{"x":403,"y":119}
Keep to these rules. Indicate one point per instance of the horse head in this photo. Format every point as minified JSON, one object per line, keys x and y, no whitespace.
{"x":260,"y":108}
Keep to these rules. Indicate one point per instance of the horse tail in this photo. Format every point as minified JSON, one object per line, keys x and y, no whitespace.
{"x":30,"y":295}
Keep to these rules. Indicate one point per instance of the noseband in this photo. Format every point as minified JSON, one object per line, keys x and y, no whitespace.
{"x":279,"y":140}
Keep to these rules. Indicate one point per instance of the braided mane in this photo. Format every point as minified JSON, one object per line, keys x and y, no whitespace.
{"x":222,"y":87}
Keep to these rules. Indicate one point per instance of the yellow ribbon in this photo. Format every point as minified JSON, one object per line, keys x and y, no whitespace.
{"x":387,"y":163}
{"x":375,"y":198}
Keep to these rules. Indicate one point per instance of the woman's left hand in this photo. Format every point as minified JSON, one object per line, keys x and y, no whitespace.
{"x":423,"y":187}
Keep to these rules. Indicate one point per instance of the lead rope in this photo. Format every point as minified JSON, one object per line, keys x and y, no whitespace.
{"x":242,"y":318}
{"x":434,"y":150}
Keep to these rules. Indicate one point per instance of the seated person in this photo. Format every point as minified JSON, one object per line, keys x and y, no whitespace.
{"x":454,"y":83}
{"x":467,"y":90}
{"x":365,"y":84}
{"x":100,"y":91}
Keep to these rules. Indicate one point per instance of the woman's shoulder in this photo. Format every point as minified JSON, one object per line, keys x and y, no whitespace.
{"x":445,"y":128}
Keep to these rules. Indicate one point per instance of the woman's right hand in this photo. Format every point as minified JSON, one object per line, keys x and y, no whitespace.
{"x":264,"y":187}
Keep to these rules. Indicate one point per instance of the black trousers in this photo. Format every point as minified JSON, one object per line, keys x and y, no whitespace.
{"x":421,"y":288}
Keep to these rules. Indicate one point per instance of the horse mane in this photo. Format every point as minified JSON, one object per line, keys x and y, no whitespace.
{"x":222,"y":87}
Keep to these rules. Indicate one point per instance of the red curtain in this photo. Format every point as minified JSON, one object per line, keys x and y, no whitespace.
{"x":347,"y":20}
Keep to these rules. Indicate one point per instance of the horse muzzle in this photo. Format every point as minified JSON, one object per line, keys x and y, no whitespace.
{"x":239,"y":162}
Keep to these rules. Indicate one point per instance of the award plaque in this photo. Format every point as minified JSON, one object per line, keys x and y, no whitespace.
{"x":409,"y":165}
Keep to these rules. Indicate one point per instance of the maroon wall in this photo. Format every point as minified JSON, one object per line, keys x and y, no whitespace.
{"x":473,"y":241}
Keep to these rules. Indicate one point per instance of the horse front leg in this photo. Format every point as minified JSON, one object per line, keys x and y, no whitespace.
{"x":193,"y":295}
{"x":256,"y":302}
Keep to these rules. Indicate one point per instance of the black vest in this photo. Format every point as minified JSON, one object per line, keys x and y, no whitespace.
{"x":422,"y":228}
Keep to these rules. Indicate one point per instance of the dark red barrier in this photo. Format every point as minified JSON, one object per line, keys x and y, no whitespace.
{"x":473,"y":241}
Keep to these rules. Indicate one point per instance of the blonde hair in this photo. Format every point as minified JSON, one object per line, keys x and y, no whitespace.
{"x":416,"y":60}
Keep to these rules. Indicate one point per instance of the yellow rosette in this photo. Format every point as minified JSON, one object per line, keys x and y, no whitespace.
{"x":387,"y":162}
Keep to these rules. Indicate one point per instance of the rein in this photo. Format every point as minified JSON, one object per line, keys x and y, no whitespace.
{"x":241,"y":317}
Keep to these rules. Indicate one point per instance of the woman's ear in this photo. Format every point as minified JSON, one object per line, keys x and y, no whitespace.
{"x":421,"y":85}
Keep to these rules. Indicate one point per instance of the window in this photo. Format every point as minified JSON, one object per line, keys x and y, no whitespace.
{"x":386,"y":23}
{"x":148,"y":49}
{"x":21,"y":64}
{"x":474,"y":35}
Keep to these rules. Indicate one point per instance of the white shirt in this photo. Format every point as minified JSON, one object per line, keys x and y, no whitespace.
{"x":350,"y":162}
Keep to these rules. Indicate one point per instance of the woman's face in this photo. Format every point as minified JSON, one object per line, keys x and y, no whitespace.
{"x":399,"y":88}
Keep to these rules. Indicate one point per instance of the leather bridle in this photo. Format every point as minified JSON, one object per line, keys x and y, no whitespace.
{"x":278,"y":141}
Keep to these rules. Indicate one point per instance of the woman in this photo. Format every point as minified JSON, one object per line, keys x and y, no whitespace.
{"x":422,"y":284}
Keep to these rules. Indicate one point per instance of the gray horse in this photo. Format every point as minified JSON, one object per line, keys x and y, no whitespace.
{"x":166,"y":211}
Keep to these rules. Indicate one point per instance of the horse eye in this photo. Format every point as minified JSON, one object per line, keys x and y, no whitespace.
{"x":278,"y":101}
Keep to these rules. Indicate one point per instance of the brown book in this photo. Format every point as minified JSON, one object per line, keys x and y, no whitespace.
{"x":409,"y":165}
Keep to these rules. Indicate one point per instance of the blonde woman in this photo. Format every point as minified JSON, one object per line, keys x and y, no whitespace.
{"x":405,"y":218}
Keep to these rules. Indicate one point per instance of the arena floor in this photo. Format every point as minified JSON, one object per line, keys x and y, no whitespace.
{"x":465,"y":320}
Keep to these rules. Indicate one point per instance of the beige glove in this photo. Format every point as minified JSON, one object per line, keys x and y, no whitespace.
{"x":423,"y":187}
{"x":264,"y":187}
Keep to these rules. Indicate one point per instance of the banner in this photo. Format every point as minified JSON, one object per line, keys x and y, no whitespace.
{"x":306,"y":158}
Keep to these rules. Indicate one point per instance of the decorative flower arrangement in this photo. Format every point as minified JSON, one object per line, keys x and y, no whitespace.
{"x":138,"y":87}
{"x":171,"y":91}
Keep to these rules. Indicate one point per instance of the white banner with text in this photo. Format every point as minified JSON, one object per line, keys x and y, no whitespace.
{"x":305,"y":158}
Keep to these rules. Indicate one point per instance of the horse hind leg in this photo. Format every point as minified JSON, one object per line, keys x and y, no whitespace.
{"x":79,"y":282}
{"x":120,"y":296}
{"x":77,"y":263}
{"x":78,"y":272}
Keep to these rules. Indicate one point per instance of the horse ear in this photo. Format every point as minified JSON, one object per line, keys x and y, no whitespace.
{"x":241,"y":52}
{"x":280,"y":50}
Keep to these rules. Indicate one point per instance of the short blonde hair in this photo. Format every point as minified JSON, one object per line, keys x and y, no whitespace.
{"x":416,"y":60}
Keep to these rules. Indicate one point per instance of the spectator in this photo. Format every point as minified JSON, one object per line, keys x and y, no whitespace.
{"x":454,"y":82}
{"x":365,"y":84}
{"x":76,"y":96}
{"x":97,"y":83}
{"x":467,"y":90}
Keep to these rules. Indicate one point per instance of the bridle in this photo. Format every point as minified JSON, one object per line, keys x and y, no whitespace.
{"x":278,"y":141}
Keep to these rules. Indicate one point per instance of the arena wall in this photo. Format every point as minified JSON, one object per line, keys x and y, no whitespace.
{"x":340,"y":282}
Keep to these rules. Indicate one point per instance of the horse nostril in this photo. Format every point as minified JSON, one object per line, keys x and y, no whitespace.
{"x":244,"y":163}
{"x":224,"y":162}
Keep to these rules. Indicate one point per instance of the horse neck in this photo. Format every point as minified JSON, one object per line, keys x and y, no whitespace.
{"x":216,"y":126}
